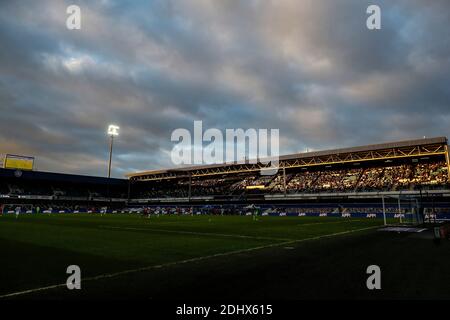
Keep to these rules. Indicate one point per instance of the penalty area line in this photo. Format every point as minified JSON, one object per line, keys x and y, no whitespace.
{"x":196,"y":259}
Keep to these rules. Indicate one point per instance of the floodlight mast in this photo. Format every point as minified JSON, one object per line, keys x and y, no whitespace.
{"x":113,"y":131}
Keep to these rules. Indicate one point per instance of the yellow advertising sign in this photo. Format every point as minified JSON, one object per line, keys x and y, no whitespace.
{"x":18,"y":162}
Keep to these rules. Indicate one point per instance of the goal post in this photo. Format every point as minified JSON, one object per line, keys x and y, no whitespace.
{"x":402,"y":209}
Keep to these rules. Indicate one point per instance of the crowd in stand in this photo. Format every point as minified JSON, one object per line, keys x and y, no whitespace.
{"x":404,"y":177}
{"x":244,"y":183}
{"x":277,"y":184}
{"x":302,"y":181}
{"x":431,"y":174}
{"x":210,"y":186}
{"x":336,"y":180}
{"x":401,"y":177}
{"x":163,"y":192}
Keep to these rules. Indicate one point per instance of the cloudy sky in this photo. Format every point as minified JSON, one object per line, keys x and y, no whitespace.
{"x":308,"y":67}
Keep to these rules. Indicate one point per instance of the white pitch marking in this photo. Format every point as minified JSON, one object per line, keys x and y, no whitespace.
{"x":115,"y":274}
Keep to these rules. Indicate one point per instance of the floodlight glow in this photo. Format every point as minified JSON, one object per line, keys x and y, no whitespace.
{"x":113,"y":130}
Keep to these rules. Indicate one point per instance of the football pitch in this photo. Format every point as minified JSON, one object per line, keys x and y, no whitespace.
{"x":215,"y":257}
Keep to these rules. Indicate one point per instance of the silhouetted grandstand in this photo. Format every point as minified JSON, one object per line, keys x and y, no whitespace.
{"x":26,"y":185}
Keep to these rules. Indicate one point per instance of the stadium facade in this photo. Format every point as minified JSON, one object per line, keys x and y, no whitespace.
{"x":397,"y":172}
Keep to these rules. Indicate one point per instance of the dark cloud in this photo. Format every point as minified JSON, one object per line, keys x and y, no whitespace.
{"x":310,"y":68}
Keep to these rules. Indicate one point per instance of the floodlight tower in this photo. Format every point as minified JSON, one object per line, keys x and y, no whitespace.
{"x":113,"y":131}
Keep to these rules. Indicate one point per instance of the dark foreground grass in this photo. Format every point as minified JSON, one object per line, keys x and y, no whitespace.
{"x":213,"y":257}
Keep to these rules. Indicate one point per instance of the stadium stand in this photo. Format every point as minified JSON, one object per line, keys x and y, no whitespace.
{"x":415,"y":167}
{"x":54,"y":189}
{"x":401,"y":166}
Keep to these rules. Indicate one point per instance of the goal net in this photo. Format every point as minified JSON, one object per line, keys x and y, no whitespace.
{"x":402,"y":209}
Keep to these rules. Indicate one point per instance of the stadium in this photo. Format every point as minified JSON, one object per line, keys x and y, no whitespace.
{"x":214,"y":158}
{"x":346,"y":207}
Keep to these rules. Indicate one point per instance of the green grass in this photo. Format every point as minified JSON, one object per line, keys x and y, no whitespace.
{"x":36,"y":250}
